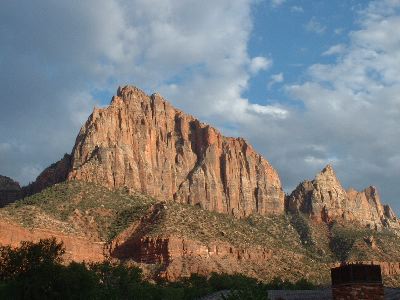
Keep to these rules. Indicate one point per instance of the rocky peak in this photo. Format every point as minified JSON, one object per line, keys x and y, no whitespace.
{"x":144,"y":143}
{"x":10,"y":190}
{"x":325,"y":200}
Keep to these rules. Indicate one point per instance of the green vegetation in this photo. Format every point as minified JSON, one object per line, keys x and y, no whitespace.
{"x":299,"y":247}
{"x":75,"y":207}
{"x":34,"y":271}
{"x":342,"y":241}
{"x":303,"y":228}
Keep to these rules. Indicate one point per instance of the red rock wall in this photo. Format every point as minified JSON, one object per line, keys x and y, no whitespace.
{"x":182,"y":257}
{"x":77,"y":249}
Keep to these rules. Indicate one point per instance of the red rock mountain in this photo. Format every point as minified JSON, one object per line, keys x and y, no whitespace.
{"x":144,"y":143}
{"x":325,"y":200}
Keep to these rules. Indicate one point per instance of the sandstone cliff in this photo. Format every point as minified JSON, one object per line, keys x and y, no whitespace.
{"x":144,"y":143}
{"x":325,"y":200}
{"x":77,"y":248}
{"x":10,"y":190}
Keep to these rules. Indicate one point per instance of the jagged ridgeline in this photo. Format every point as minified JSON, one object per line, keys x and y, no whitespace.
{"x":148,"y":183}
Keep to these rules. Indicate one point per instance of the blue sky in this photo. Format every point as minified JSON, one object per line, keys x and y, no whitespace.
{"x":283,"y":32}
{"x":306,"y":82}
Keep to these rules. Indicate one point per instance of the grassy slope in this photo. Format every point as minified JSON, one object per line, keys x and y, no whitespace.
{"x":96,"y":212}
{"x":80,"y":208}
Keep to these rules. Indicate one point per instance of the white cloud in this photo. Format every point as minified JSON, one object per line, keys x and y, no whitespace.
{"x":338,"y":31}
{"x":259,"y":63}
{"x":63,"y":56}
{"x":314,"y":26}
{"x":353,"y":106}
{"x":297,"y":9}
{"x":316,"y":162}
{"x":195,"y":53}
{"x":5,"y":147}
{"x":276,"y":78}
{"x":276,"y":3}
{"x":271,"y":110}
{"x":334,"y":50}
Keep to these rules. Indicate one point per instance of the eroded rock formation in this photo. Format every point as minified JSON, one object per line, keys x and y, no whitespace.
{"x":144,"y":143}
{"x":325,"y":200}
{"x":77,"y":248}
{"x":10,"y":190}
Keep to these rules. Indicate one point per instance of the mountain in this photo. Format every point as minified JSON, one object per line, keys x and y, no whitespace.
{"x":53,"y":174}
{"x":151,"y":185}
{"x":142,"y":142}
{"x":10,"y":190}
{"x":324,"y":199}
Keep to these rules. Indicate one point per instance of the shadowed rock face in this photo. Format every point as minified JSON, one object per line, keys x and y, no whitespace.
{"x":144,"y":143}
{"x":53,"y":174}
{"x":325,"y":200}
{"x":10,"y":191}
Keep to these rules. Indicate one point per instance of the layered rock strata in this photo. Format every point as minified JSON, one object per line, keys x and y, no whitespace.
{"x":144,"y":143}
{"x":10,"y":191}
{"x":325,"y":200}
{"x":76,"y":248}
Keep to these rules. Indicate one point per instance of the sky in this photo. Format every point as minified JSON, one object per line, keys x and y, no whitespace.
{"x":306,"y":82}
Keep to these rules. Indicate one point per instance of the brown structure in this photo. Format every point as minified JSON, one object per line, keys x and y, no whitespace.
{"x":357,"y":282}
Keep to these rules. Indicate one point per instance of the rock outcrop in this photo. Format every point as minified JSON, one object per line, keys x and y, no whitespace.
{"x":76,"y":248}
{"x":10,"y":191}
{"x":53,"y":174}
{"x":144,"y":143}
{"x":325,"y":200}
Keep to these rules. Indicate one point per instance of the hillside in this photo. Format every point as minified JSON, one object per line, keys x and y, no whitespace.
{"x":173,"y":240}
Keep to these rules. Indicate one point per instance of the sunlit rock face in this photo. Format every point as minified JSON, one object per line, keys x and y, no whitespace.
{"x":143,"y":143}
{"x":325,"y":200}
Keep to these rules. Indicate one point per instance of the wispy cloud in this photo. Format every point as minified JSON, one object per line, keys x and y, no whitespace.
{"x":314,"y":26}
{"x":63,"y":53}
{"x":276,"y":78}
{"x":297,"y":9}
{"x":334,"y":50}
{"x":276,"y":3}
{"x":259,"y":63}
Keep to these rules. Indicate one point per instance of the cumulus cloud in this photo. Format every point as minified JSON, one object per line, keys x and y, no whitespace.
{"x":352,"y":107}
{"x":314,"y":26}
{"x":334,"y":50}
{"x":276,"y":78}
{"x":297,"y":9}
{"x":276,"y":3}
{"x":259,"y":63}
{"x":64,"y":57}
